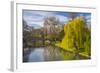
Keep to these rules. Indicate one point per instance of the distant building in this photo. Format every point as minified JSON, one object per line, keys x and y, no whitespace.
{"x":51,"y":24}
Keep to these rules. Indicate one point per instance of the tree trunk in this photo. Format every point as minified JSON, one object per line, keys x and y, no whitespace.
{"x":76,"y":51}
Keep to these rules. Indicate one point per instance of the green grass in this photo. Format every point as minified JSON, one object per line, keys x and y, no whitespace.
{"x":81,"y":51}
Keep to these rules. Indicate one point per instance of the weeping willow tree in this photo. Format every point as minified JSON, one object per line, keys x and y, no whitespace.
{"x":77,"y":36}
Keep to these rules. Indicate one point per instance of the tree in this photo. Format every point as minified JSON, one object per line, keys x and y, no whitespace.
{"x":72,"y":15}
{"x":27,"y":35}
{"x":77,"y":36}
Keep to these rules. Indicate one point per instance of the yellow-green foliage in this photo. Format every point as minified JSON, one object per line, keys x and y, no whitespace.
{"x":76,"y":32}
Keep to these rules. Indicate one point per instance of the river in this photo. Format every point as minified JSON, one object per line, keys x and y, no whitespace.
{"x":49,"y":53}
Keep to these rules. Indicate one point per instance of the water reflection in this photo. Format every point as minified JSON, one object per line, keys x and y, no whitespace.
{"x":48,"y":53}
{"x":36,"y":55}
{"x":52,"y":53}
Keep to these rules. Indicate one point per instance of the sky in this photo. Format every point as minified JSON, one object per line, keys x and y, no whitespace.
{"x":36,"y":18}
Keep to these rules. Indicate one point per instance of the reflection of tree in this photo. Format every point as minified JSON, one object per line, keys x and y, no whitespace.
{"x":52,"y":53}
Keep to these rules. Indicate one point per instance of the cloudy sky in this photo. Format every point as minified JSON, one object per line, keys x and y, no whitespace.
{"x":36,"y":18}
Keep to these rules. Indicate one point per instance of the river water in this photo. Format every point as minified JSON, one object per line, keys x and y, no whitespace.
{"x":49,"y":53}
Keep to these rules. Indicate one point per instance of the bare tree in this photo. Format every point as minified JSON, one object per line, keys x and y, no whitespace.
{"x":72,"y":15}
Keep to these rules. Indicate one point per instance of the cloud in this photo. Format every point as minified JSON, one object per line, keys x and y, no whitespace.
{"x":62,"y":18}
{"x":37,"y":17}
{"x":32,"y":23}
{"x":88,"y":18}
